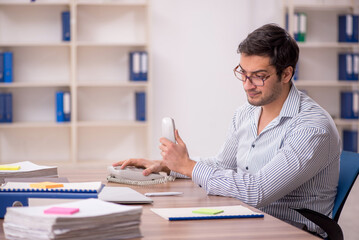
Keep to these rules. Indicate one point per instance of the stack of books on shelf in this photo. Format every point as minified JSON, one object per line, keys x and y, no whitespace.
{"x":26,"y":169}
{"x":83,"y":219}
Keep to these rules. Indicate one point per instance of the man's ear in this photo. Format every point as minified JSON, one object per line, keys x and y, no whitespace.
{"x":287,"y":74}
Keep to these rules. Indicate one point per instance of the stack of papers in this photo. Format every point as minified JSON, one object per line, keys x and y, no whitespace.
{"x":26,"y":169}
{"x":88,"y":219}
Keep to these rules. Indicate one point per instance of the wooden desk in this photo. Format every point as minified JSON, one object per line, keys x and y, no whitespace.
{"x":154,"y":227}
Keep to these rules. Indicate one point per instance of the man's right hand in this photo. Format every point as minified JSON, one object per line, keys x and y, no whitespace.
{"x":151,"y":166}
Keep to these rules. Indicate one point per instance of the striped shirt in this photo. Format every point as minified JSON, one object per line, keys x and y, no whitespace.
{"x":293,"y":162}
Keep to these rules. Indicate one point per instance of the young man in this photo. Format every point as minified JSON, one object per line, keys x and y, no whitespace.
{"x":282,"y":149}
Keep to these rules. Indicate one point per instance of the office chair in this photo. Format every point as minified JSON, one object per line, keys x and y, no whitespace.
{"x":349,"y":169}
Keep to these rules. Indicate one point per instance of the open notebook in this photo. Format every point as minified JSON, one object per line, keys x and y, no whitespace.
{"x":85,"y":187}
{"x":175,"y":214}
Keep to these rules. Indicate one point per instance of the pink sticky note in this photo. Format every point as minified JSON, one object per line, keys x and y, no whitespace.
{"x":61,"y":210}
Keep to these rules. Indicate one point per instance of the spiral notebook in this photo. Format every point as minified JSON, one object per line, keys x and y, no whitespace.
{"x":226,"y":212}
{"x":81,"y":187}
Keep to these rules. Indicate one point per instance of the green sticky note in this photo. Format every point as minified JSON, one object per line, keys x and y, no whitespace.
{"x":208,"y":211}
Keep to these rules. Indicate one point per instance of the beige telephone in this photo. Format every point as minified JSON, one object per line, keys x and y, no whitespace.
{"x":132,"y":175}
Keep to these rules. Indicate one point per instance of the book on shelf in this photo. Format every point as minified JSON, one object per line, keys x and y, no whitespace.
{"x":66,"y":31}
{"x":350,"y":140}
{"x":349,"y":104}
{"x":138,"y":66}
{"x":140,"y":106}
{"x":93,"y":219}
{"x":348,"y":28}
{"x":348,"y":66}
{"x":8,"y":67}
{"x":63,"y":106}
{"x":5,"y":107}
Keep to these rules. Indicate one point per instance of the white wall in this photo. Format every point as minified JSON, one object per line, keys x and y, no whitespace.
{"x":194,"y":45}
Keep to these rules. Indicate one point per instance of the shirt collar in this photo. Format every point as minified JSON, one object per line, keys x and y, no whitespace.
{"x":292,"y":103}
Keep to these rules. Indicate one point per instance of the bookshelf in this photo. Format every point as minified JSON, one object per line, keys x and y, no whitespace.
{"x":318,"y":62}
{"x":93,"y":66}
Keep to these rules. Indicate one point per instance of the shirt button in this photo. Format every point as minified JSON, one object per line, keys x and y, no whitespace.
{"x":253,"y":145}
{"x":247,"y":168}
{"x":199,"y":186}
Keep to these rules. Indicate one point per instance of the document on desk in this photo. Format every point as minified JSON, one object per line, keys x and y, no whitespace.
{"x":177,"y":214}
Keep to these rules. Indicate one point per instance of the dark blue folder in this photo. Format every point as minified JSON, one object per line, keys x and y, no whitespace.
{"x":66,"y":32}
{"x":348,"y":102}
{"x":140,"y":106}
{"x":350,"y":141}
{"x":8,"y":67}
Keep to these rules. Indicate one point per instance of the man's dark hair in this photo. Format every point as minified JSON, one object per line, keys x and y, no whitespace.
{"x":274,"y":42}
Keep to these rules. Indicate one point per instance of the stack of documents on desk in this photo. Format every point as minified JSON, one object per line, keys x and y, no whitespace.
{"x":27,"y":169}
{"x":95,"y":220}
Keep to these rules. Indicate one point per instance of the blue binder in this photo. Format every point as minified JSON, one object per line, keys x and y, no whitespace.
{"x":2,"y":107}
{"x":8,"y":199}
{"x":60,"y":106}
{"x":144,"y":66}
{"x":346,"y":67}
{"x":66,"y":106}
{"x":350,"y":141}
{"x":8,"y":107}
{"x":140,"y":106}
{"x":348,"y":28}
{"x":135,"y":66}
{"x":355,"y":57}
{"x":349,"y":105}
{"x":1,"y":67}
{"x":296,"y":73}
{"x":66,"y":32}
{"x":355,"y":28}
{"x":8,"y":66}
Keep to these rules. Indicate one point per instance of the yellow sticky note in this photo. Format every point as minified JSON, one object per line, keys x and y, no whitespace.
{"x":208,"y":211}
{"x":46,"y":185}
{"x":10,"y":167}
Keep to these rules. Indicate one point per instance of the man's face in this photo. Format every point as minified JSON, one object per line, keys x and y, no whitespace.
{"x":258,"y":66}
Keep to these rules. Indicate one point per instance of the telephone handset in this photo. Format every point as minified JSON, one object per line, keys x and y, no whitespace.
{"x":168,"y":129}
{"x":133,"y":175}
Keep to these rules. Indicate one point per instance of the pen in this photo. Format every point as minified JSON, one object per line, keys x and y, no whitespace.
{"x":163,"y":194}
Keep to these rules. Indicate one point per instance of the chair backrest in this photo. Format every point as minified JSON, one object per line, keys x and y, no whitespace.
{"x":349,"y":169}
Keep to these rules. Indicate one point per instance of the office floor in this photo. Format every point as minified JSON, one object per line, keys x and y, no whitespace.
{"x":349,"y":220}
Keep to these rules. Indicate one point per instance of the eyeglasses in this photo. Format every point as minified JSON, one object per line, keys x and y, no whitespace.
{"x":255,"y":80}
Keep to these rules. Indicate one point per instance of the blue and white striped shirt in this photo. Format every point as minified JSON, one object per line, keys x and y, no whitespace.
{"x":293,"y":162}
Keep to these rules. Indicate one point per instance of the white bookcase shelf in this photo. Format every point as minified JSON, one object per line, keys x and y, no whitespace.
{"x":93,"y":67}
{"x":318,"y":63}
